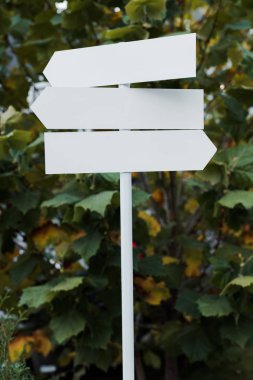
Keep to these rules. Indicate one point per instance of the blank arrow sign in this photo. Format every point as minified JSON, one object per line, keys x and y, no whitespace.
{"x":151,"y":60}
{"x":138,"y":151}
{"x":115,"y":108}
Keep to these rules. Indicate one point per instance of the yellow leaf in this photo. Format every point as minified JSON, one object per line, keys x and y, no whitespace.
{"x":66,"y":358}
{"x":150,"y":250}
{"x":188,"y":318}
{"x":169,"y":260}
{"x":42,"y":343}
{"x":48,"y":234}
{"x":157,"y":295}
{"x":117,"y":16}
{"x":19,"y":346}
{"x":154,"y":292}
{"x":193,"y":261}
{"x":191,"y":205}
{"x":158,"y":196}
{"x":9,"y":258}
{"x":248,"y":239}
{"x":72,"y":267}
{"x":153,"y":226}
{"x":62,"y":248}
{"x":78,"y":235}
{"x":201,"y":237}
{"x":115,"y":237}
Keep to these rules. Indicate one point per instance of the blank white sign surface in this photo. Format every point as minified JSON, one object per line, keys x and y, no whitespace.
{"x":128,"y":62}
{"x":116,"y":108}
{"x":102,"y":152}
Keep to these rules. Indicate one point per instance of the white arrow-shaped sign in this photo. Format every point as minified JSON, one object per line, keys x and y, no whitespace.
{"x":129,"y":62}
{"x":98,"y":152}
{"x":114,"y":108}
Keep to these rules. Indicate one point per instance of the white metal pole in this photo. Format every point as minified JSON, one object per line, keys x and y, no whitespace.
{"x":127,"y":271}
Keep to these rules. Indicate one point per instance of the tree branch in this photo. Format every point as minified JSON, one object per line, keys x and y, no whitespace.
{"x":140,"y":374}
{"x":171,"y":370}
{"x":211,"y":33}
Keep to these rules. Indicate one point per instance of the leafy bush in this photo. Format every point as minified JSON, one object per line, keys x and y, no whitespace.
{"x":193,"y":234}
{"x":11,"y":369}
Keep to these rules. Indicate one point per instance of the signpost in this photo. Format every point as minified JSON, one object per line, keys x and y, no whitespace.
{"x":173,"y":120}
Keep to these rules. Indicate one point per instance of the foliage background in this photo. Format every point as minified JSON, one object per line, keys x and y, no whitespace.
{"x":193,"y":232}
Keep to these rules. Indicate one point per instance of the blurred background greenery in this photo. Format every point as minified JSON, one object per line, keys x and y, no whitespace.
{"x":193,"y":232}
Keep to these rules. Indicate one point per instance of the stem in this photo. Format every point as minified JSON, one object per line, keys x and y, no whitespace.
{"x":202,"y":59}
{"x":146,"y":187}
{"x":171,"y":370}
{"x":192,"y":222}
{"x":140,"y":374}
{"x":173,"y":197}
{"x":166,"y":202}
{"x":181,"y":3}
{"x":173,"y":247}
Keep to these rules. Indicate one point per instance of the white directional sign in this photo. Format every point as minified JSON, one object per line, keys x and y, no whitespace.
{"x":98,"y":152}
{"x":116,"y":108}
{"x":173,"y":120}
{"x":129,"y":62}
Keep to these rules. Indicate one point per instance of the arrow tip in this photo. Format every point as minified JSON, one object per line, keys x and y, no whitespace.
{"x":210,"y":151}
{"x":47,"y":70}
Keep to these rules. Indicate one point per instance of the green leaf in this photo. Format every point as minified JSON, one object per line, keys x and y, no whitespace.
{"x":238,"y":163}
{"x":173,"y":275}
{"x":10,"y":117}
{"x":236,"y":157}
{"x":111,"y":177}
{"x":97,"y":202}
{"x":237,"y":197}
{"x":4,"y":21}
{"x":242,"y":281}
{"x":61,"y":200}
{"x":214,"y":306}
{"x":67,"y":325}
{"x":67,"y":284}
{"x":239,"y":333}
{"x":100,"y":332}
{"x":97,"y":280}
{"x":126,"y":33}
{"x":19,"y":25}
{"x":195,"y":343}
{"x":234,"y":107}
{"x":247,"y":269}
{"x":27,"y":200}
{"x":88,"y":245}
{"x":19,"y":139}
{"x":244,"y":24}
{"x":151,"y":266}
{"x":4,"y":148}
{"x":102,"y":359}
{"x":139,"y":197}
{"x":23,"y":267}
{"x":169,"y":336}
{"x":139,"y":10}
{"x":211,"y":174}
{"x":35,"y":296}
{"x":187,"y":303}
{"x":152,"y":360}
